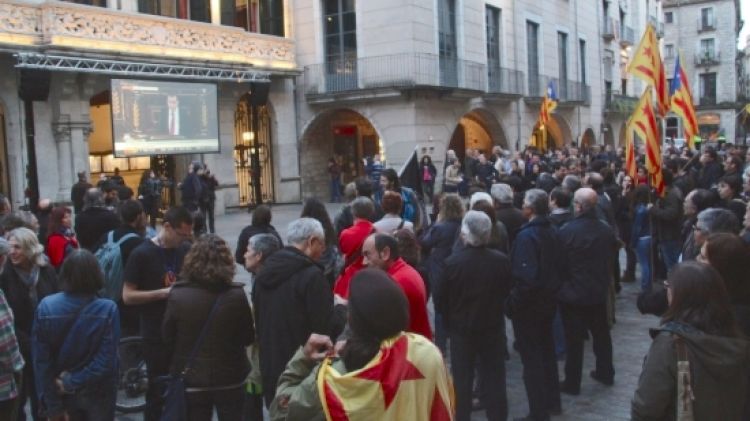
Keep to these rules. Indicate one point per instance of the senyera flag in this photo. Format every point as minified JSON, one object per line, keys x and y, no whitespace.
{"x":644,"y":124}
{"x":682,"y":102}
{"x":407,"y":380}
{"x":647,"y":65}
{"x":630,"y":166}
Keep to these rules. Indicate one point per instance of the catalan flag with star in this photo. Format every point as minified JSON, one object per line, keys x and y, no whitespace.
{"x":682,"y":102}
{"x":647,"y":65}
{"x":407,"y":380}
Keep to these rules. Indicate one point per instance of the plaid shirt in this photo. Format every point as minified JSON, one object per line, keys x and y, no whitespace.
{"x":11,"y":360}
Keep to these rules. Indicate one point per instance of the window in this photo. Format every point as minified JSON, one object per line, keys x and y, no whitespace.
{"x":492,"y":17}
{"x":240,"y":13}
{"x":340,"y":25}
{"x":197,"y":10}
{"x":708,"y":89}
{"x":447,"y":42}
{"x":272,"y":17}
{"x":532,"y":49}
{"x":668,"y":17}
{"x":707,"y":49}
{"x":707,"y":18}
{"x":582,"y":48}
{"x":562,"y":60}
{"x":100,"y":3}
{"x":669,"y":50}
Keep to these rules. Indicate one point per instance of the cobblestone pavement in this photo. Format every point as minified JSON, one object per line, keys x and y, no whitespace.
{"x":596,"y":402}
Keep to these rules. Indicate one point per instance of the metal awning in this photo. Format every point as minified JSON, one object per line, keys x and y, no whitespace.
{"x":28,"y":60}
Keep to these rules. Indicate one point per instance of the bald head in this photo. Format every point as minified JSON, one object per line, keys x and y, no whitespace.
{"x":584,"y":200}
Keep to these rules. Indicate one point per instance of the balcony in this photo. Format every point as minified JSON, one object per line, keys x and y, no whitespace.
{"x":627,"y":36}
{"x":707,"y":58}
{"x":707,"y":100}
{"x":56,"y":25}
{"x":615,"y":103}
{"x":568,"y":92}
{"x":608,"y":30}
{"x":705,"y":25}
{"x":399,"y":72}
{"x":504,"y":82}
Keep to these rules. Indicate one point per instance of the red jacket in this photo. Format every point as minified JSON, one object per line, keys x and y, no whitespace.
{"x":350,"y":244}
{"x":411,"y":282}
{"x":56,"y":245}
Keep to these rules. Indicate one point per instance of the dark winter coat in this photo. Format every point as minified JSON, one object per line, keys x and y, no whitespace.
{"x":292,"y":299}
{"x":244,"y":238}
{"x":92,"y":224}
{"x":221,"y":358}
{"x":512,"y":218}
{"x":536,"y":266}
{"x":438,"y":242}
{"x":667,"y":216}
{"x":719,"y":375}
{"x":588,"y":245}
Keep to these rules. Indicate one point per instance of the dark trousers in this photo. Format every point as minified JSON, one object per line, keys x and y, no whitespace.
{"x":207,"y":209}
{"x":577,"y":319}
{"x":536,"y":345}
{"x":95,"y":403}
{"x":253,"y":407}
{"x":157,"y":363}
{"x":489,"y":349}
{"x":228,"y":404}
{"x":28,"y":392}
{"x":9,"y":408}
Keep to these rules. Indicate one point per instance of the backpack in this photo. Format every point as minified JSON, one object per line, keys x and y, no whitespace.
{"x":110,"y":260}
{"x":410,"y":208}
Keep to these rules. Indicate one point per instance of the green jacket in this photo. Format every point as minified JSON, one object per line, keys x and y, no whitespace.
{"x":302,"y":390}
{"x":720,"y":368}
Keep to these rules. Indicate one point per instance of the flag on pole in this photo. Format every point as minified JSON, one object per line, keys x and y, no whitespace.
{"x":407,"y":380}
{"x":647,"y":65}
{"x":682,"y":102}
{"x":644,"y":124}
{"x":630,"y":166}
{"x":549,"y":103}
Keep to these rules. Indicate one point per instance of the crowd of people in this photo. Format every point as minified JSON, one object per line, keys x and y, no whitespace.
{"x":366,"y":313}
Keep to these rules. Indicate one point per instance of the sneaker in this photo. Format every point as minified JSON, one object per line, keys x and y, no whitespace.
{"x":607,"y":381}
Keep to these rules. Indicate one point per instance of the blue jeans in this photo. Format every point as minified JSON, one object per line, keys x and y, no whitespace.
{"x":92,"y":403}
{"x":643,"y":251}
{"x":670,"y":253}
{"x":335,"y":190}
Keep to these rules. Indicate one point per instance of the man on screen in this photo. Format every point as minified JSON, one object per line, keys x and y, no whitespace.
{"x":173,"y":115}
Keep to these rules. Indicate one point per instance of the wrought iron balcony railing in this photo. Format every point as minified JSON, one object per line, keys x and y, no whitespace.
{"x":614,"y":102}
{"x":567,"y":90}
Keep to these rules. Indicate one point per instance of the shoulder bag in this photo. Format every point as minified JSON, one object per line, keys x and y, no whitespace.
{"x":175,"y":405}
{"x":685,"y":395}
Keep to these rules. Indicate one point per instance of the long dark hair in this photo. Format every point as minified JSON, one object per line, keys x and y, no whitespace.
{"x":392,"y":177}
{"x":700,"y":299}
{"x":728,"y":254}
{"x":55,"y":219}
{"x":314,"y":208}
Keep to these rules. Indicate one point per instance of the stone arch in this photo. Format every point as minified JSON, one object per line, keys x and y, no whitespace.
{"x":477,"y":129}
{"x":588,"y":138}
{"x":609,"y":135}
{"x":343,"y":133}
{"x":621,"y":137}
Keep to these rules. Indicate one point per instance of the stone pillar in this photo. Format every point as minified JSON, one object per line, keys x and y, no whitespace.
{"x":62,"y":134}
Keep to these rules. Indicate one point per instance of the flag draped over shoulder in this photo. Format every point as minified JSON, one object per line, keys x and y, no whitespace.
{"x":647,"y":65}
{"x":406,"y":380}
{"x":682,"y":102}
{"x":644,"y":124}
{"x":630,"y":167}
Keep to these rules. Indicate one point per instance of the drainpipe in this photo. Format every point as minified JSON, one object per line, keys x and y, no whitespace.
{"x":297,"y":134}
{"x":518,"y":66}
{"x":601,"y":71}
{"x":578,"y":60}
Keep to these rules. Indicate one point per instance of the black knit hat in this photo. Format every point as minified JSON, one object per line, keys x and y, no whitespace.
{"x":377,"y":305}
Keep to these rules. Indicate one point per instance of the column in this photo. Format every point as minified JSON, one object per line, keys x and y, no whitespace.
{"x":62,"y":135}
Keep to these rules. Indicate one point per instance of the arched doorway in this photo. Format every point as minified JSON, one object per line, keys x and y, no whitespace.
{"x":609,"y":135}
{"x":343,"y":134}
{"x":622,"y":135}
{"x":253,"y":157}
{"x":477,"y":129}
{"x":588,"y":139}
{"x":558,"y":133}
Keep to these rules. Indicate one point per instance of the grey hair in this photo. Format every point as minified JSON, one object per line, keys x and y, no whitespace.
{"x":350,"y":192}
{"x":713,"y":220}
{"x":93,"y":198}
{"x":300,"y":230}
{"x":29,"y":244}
{"x":502,"y":192}
{"x":476,"y":228}
{"x":362,"y":207}
{"x":265,"y":244}
{"x":537,"y":200}
{"x":571,"y":183}
{"x":479,"y":196}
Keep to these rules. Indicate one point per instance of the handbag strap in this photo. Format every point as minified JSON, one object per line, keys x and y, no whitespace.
{"x":202,"y":336}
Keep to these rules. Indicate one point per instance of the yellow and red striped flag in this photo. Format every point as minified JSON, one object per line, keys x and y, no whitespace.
{"x":407,"y":380}
{"x":631,"y":168}
{"x":682,"y":102}
{"x":647,"y":65}
{"x":644,"y":124}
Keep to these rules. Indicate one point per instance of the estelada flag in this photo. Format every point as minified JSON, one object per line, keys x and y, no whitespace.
{"x":549,"y":103}
{"x":406,"y":380}
{"x":682,"y":102}
{"x":647,"y":65}
{"x":644,"y":123}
